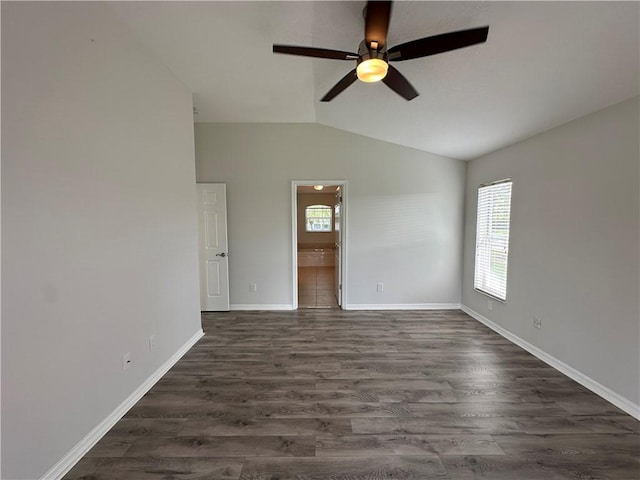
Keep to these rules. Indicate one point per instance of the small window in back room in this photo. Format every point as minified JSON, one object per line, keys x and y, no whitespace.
{"x":317,"y":218}
{"x":492,"y":239}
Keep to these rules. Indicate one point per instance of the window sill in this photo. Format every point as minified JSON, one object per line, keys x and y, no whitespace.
{"x":492,"y":297}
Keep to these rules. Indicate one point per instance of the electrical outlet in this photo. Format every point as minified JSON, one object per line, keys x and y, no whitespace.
{"x":126,"y":361}
{"x":537,"y":322}
{"x":253,"y":287}
{"x":380,"y":287}
{"x":490,"y":304}
{"x":152,"y":342}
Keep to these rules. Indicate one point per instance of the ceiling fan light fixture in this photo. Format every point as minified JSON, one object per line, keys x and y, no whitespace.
{"x":373,"y":55}
{"x":372,"y":70}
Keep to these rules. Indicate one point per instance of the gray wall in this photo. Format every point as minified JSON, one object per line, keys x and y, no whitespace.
{"x":574,"y":244}
{"x":404,"y":211}
{"x":99,"y":231}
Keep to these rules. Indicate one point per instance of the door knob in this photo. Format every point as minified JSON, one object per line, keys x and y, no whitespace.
{"x":221,"y":254}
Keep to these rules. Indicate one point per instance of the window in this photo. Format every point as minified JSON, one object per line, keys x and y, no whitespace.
{"x":317,"y":218}
{"x":492,"y":239}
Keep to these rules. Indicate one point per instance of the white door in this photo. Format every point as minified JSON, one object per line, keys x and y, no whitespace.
{"x":214,"y":256}
{"x":337,"y":211}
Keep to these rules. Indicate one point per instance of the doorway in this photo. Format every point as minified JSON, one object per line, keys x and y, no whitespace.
{"x":318,"y":216}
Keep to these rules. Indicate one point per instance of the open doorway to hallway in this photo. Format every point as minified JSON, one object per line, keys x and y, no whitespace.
{"x":318,"y":244}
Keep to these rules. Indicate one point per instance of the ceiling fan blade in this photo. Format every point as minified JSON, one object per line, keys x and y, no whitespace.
{"x":376,"y":23}
{"x":314,"y":52}
{"x":438,"y":44}
{"x":339,"y":87}
{"x":399,"y":84}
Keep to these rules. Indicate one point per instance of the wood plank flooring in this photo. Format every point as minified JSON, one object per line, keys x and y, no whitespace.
{"x":341,"y":395}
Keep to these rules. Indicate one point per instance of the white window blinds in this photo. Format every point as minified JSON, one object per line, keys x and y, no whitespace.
{"x":492,"y":239}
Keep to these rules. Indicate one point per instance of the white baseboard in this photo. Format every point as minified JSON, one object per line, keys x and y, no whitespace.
{"x":403,"y":306}
{"x":83,"y":446}
{"x":609,"y":395}
{"x":353,"y":306}
{"x":268,"y":306}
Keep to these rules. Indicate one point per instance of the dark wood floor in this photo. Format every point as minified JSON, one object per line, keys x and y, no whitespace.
{"x":331,"y":394}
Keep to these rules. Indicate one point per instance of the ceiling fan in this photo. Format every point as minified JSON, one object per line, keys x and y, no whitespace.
{"x":373,"y":57}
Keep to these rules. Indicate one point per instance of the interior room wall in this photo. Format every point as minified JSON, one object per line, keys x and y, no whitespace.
{"x":308,"y":239}
{"x":574,"y":259}
{"x":99,"y":230}
{"x":404,"y":212}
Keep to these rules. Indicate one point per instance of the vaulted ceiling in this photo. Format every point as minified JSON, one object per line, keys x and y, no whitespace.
{"x":544,"y":64}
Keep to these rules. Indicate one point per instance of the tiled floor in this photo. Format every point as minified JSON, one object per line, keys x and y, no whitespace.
{"x":316,"y":287}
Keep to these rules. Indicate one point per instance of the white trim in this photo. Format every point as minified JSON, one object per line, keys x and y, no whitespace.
{"x":403,"y":306}
{"x":609,"y":395}
{"x":267,"y":306}
{"x":294,"y":243}
{"x":83,"y":446}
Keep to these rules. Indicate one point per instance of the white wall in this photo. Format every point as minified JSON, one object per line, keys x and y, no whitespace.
{"x":404,"y":212}
{"x":574,"y":244}
{"x":99,"y":229}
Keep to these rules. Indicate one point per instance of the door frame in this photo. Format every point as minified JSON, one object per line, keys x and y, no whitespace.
{"x":294,"y":237}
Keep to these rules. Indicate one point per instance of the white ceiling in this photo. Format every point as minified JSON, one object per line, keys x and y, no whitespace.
{"x":544,"y":63}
